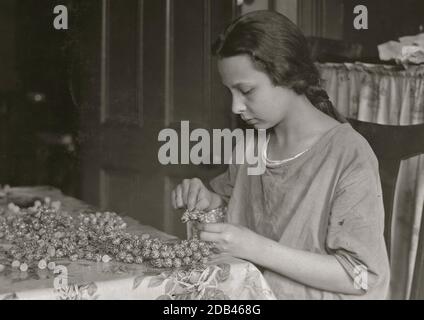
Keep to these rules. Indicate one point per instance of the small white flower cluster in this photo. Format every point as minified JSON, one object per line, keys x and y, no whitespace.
{"x":44,"y":233}
{"x":211,"y":216}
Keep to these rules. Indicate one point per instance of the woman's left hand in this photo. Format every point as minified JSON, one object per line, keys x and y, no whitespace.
{"x":231,"y":239}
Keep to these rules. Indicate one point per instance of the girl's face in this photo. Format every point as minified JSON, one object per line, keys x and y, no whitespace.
{"x":258,"y":101}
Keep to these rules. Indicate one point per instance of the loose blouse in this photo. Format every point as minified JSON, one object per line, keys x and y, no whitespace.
{"x":327,"y":200}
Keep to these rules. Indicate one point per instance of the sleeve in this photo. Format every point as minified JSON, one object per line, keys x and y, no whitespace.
{"x":356,"y":227}
{"x":224,"y":183}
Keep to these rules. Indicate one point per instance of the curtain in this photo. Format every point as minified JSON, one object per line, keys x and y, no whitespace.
{"x":388,"y":95}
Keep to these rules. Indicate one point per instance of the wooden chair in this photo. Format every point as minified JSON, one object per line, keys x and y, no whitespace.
{"x":392,"y":144}
{"x":417,"y":290}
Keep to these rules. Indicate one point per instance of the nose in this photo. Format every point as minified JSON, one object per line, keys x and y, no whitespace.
{"x":238,"y":105}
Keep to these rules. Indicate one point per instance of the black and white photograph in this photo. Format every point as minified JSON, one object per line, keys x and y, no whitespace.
{"x":211,"y":150}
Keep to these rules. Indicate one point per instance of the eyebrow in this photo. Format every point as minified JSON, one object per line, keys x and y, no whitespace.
{"x":240,"y":83}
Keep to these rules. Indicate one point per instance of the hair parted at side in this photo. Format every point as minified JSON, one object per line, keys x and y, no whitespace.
{"x":279,"y":48}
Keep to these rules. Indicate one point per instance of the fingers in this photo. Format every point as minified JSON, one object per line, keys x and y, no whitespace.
{"x":216,"y":250}
{"x":214,"y":258}
{"x":202,"y":203}
{"x":193,"y":195}
{"x":216,"y":239}
{"x":185,"y":189}
{"x":218,"y":257}
{"x":212,"y":227}
{"x":209,"y":236}
{"x":214,"y":232}
{"x":179,"y":197}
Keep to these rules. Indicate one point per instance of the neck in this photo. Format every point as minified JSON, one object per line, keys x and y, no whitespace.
{"x":302,"y":121}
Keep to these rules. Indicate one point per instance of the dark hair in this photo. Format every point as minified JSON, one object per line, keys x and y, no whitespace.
{"x":279,"y":48}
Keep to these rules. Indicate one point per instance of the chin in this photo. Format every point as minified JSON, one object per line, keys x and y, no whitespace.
{"x":261,"y":125}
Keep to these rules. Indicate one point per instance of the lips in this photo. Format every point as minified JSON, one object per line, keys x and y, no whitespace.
{"x":250,"y":121}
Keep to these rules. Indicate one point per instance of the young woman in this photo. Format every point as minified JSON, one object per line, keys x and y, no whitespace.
{"x":314,"y":219}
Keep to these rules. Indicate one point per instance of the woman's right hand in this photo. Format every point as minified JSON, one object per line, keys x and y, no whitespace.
{"x":193,"y":194}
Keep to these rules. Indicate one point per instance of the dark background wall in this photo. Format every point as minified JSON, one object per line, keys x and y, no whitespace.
{"x":7,"y":47}
{"x":37,"y":111}
{"x":387,"y":20}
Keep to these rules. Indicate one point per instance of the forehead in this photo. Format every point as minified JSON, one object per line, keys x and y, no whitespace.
{"x":238,"y":69}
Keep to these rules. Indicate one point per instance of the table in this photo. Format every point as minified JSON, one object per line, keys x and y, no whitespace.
{"x":223,"y":278}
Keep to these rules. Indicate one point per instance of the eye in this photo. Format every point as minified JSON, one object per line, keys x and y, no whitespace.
{"x":246,"y":92}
